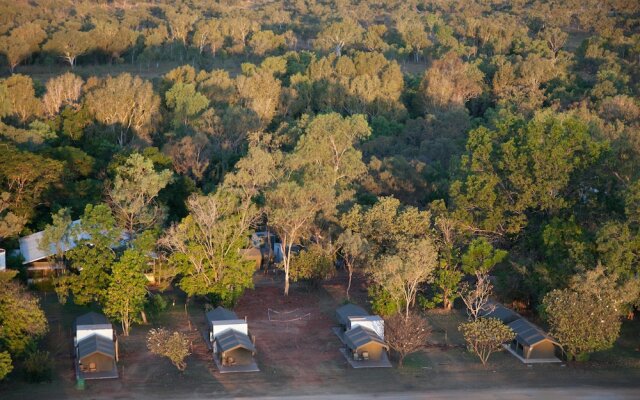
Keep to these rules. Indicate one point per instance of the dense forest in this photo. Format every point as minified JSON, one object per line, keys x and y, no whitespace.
{"x":425,"y":145}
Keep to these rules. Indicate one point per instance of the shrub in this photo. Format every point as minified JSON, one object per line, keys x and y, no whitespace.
{"x":38,"y":366}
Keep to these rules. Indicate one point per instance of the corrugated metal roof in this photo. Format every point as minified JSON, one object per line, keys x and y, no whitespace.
{"x":497,"y":310}
{"x":529,"y":334}
{"x":349,"y":310}
{"x":221,"y":314}
{"x":92,"y":318}
{"x":96,"y":344}
{"x":359,"y":336}
{"x":232,"y":339}
{"x":30,"y":246}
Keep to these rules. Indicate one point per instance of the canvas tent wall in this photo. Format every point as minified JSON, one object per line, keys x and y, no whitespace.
{"x":532,"y":343}
{"x":235,"y":348}
{"x":96,"y":354}
{"x":346,"y":311}
{"x":221,"y":320}
{"x":362,"y":340}
{"x":372,"y":322}
{"x":93,"y":324}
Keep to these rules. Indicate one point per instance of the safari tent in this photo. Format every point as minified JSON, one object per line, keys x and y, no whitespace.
{"x":532,"y":344}
{"x":96,"y":348}
{"x":363,"y":337}
{"x":343,"y":313}
{"x":497,"y":310}
{"x":365,"y":344}
{"x":233,"y":348}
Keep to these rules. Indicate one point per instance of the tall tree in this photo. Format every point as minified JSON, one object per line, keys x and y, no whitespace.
{"x":92,"y":259}
{"x":327,"y":150}
{"x":337,"y":35}
{"x":402,"y":273}
{"x":206,"y":246}
{"x":185,"y":102}
{"x":26,"y":177}
{"x":21,"y":319}
{"x":126,"y":103}
{"x":127,"y":291}
{"x":132,"y":197}
{"x":61,"y":90}
{"x":586,"y":317}
{"x":291,"y":209}
{"x":449,"y":83}
{"x":353,"y":250}
{"x":22,"y":97}
{"x":70,"y":44}
{"x":23,"y":41}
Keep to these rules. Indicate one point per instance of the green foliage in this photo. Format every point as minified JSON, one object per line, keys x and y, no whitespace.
{"x":21,"y":319}
{"x":205,"y":246}
{"x":133,"y":194}
{"x":485,"y":336}
{"x":312,"y":264}
{"x":185,"y":102}
{"x":382,"y":303}
{"x":91,"y":260}
{"x":126,"y":295}
{"x":481,"y":257}
{"x":5,"y":364}
{"x":522,"y":167}
{"x":586,"y":317}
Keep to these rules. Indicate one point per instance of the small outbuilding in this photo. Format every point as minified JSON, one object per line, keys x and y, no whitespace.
{"x":365,"y":344}
{"x":233,"y":348}
{"x":532,"y":344}
{"x":363,"y":337}
{"x":96,"y":347}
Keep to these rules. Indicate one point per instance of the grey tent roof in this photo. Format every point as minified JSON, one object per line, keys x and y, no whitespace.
{"x":504,"y":314}
{"x":359,"y":336}
{"x":96,"y":344}
{"x":92,"y":318}
{"x":221,"y":314}
{"x":349,"y":310}
{"x":529,"y":334}
{"x":232,"y":339}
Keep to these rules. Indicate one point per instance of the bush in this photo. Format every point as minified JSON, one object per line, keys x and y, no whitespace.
{"x":485,"y":336}
{"x":38,"y":366}
{"x":5,"y":364}
{"x":156,"y":304}
{"x":382,"y":303}
{"x":174,"y":346}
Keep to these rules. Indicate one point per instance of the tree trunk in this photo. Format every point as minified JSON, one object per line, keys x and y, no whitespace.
{"x":143,"y":315}
{"x":349,"y":284}
{"x":406,"y":311}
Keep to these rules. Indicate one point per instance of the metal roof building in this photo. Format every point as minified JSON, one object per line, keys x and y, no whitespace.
{"x":221,"y":314}
{"x":497,"y":310}
{"x":349,"y":310}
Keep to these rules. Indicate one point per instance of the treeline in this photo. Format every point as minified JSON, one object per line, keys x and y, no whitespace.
{"x":513,"y":154}
{"x":92,"y":32}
